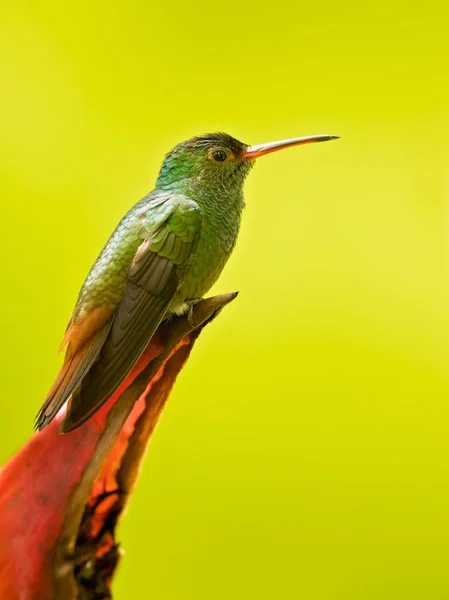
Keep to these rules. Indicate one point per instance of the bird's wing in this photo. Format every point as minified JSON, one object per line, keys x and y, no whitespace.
{"x":159,"y":266}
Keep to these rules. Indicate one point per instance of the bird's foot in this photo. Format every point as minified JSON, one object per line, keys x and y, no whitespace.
{"x":190,"y":315}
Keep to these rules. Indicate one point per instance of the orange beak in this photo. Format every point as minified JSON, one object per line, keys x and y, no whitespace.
{"x":262,"y":149}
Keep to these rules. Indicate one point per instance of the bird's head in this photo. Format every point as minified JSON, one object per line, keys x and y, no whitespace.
{"x":208,"y":161}
{"x":217,"y":161}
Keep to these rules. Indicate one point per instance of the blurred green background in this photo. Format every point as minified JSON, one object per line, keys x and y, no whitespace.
{"x":304,"y":452}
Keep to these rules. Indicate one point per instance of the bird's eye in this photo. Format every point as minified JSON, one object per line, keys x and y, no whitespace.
{"x":219,"y":156}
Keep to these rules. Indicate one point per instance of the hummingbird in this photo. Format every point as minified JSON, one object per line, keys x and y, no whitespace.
{"x":164,"y":255}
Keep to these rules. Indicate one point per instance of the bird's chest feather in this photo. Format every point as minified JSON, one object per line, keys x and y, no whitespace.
{"x":217,"y":240}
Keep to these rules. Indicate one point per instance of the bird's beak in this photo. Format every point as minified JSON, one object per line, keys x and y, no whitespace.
{"x":262,"y":149}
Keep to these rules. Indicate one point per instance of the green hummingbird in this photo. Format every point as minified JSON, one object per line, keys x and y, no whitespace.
{"x":164,"y":255}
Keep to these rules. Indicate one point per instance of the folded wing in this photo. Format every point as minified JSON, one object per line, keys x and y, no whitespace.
{"x":159,"y":266}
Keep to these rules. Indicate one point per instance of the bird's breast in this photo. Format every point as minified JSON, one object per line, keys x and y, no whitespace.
{"x":217,"y":240}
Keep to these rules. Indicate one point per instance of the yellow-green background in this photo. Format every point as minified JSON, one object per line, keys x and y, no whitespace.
{"x":305,"y":450}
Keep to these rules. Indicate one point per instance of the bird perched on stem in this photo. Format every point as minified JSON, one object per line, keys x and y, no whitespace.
{"x":165,"y":253}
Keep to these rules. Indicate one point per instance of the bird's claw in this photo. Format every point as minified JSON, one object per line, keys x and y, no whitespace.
{"x":190,"y":315}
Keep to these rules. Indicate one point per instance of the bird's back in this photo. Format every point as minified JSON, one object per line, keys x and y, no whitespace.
{"x":106,"y":281}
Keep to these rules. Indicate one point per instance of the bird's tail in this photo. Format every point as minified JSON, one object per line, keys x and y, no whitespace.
{"x":75,"y":367}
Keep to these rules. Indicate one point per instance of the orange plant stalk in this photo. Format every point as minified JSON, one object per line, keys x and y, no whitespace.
{"x":61,"y":495}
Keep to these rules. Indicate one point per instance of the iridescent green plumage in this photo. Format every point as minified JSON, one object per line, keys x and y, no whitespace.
{"x":167,"y":251}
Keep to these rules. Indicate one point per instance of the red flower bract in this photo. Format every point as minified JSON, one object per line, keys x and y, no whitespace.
{"x":61,"y":495}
